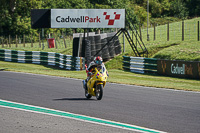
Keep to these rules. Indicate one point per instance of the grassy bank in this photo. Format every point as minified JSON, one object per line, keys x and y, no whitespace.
{"x":116,"y":76}
{"x":174,"y":49}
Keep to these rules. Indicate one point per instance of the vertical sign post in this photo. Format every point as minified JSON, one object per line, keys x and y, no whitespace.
{"x":124,"y":42}
{"x":42,"y":38}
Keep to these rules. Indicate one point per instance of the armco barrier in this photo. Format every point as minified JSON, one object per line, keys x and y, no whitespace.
{"x":44,"y":58}
{"x":140,"y":64}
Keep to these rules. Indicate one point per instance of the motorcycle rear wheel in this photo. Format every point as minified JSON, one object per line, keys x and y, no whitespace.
{"x":99,"y":92}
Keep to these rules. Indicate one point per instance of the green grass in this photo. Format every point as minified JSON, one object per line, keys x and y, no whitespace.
{"x":154,"y":80}
{"x":174,"y":49}
{"x":175,"y":31}
{"x":181,"y":51}
{"x":175,"y":38}
{"x":115,"y":76}
{"x":164,"y":20}
{"x":40,"y":69}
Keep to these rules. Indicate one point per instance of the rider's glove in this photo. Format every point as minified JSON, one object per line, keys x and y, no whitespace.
{"x":107,"y":73}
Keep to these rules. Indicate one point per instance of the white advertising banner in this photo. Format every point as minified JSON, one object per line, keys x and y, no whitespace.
{"x":87,"y":18}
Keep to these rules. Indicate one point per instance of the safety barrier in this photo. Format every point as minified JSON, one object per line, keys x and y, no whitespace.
{"x":44,"y":58}
{"x":93,"y":44}
{"x":140,"y":64}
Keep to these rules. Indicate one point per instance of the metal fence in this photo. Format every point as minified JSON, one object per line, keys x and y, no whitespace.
{"x":177,"y":31}
{"x":36,"y":40}
{"x":39,"y":39}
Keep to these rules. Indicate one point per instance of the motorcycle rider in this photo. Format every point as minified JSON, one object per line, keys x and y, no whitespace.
{"x":98,"y":63}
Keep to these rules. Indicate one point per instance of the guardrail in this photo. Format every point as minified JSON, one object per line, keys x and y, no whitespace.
{"x":44,"y":58}
{"x":140,"y":64}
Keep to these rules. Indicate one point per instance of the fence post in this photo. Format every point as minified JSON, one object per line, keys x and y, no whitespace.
{"x":24,"y":40}
{"x":2,"y":43}
{"x":140,"y":31}
{"x":198,"y":30}
{"x":154,"y":27}
{"x":9,"y":41}
{"x":183,"y":30}
{"x":39,"y":40}
{"x":55,"y":40}
{"x":168,"y":31}
{"x":136,"y":38}
{"x":64,"y":40}
{"x":16,"y":41}
{"x":132,"y":35}
{"x":31,"y":40}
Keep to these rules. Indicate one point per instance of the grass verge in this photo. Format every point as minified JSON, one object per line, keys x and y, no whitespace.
{"x":116,"y":76}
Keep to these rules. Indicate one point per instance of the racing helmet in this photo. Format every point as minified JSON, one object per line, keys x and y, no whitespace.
{"x":98,"y":60}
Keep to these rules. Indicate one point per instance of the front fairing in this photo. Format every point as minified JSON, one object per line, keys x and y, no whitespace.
{"x":99,"y":77}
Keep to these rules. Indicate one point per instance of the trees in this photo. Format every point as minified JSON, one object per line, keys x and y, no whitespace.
{"x":193,"y":7}
{"x":178,"y":9}
{"x":16,"y":19}
{"x":6,"y":14}
{"x":15,"y":16}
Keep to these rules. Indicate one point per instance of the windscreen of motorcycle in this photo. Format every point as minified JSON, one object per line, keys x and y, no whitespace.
{"x":102,"y":69}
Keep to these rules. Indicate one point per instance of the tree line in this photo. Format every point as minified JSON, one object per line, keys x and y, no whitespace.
{"x":15,"y":15}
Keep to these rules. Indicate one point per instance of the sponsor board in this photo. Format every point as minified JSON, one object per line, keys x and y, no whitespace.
{"x":184,"y":69}
{"x":87,"y":18}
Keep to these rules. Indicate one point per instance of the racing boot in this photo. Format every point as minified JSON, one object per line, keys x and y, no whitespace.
{"x":84,"y":83}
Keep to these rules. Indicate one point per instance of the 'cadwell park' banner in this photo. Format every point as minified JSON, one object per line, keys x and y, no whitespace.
{"x":183,"y":69}
{"x":87,"y":18}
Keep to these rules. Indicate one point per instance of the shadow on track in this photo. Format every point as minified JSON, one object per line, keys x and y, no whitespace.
{"x":72,"y":99}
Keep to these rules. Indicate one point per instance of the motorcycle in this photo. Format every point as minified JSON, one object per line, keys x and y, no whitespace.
{"x":94,"y":86}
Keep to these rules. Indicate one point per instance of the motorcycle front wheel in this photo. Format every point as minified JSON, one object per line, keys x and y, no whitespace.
{"x":99,"y":92}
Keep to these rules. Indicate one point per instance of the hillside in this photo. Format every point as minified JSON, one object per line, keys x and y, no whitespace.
{"x":174,"y":49}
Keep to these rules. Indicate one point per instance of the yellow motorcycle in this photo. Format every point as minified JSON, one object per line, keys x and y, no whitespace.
{"x":94,"y":86}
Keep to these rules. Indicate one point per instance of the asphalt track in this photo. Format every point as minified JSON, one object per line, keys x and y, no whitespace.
{"x":161,"y":109}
